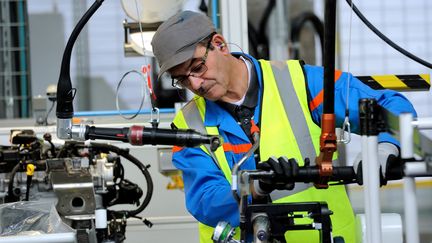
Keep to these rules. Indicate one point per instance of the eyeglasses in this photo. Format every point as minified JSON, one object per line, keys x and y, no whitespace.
{"x":197,"y":71}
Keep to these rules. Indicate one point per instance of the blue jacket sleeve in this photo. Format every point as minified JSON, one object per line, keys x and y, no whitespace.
{"x":389,"y":99}
{"x":208,"y":193}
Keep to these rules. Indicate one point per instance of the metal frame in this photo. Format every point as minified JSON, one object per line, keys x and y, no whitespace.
{"x":370,"y":168}
{"x":406,"y":128}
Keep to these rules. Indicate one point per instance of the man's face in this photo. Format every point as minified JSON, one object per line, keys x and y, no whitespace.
{"x":204,"y":74}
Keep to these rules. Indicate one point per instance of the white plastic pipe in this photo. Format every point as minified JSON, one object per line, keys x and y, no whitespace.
{"x":414,"y":169}
{"x":367,"y":205}
{"x":410,"y":200}
{"x":406,"y":135}
{"x":423,"y":123}
{"x":410,"y":210}
{"x":371,"y":179}
{"x":101,"y":218}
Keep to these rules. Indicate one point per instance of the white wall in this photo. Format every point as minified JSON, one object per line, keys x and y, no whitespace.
{"x":105,"y":39}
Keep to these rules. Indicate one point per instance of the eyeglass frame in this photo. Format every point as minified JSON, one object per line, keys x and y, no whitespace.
{"x":177,"y":83}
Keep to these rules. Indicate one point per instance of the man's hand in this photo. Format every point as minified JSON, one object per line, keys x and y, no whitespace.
{"x":285,"y":170}
{"x":390,"y":164}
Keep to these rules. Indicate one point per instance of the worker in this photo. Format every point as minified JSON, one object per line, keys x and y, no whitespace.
{"x":234,"y":93}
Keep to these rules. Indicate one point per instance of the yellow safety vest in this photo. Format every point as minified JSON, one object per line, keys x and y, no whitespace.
{"x":286,"y":129}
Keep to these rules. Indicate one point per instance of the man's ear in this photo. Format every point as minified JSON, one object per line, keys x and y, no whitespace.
{"x":219,"y":42}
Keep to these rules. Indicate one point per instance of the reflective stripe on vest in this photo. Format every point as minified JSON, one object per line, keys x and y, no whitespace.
{"x":279,"y":138}
{"x":194,"y":118}
{"x":300,"y":124}
{"x":294,"y":124}
{"x":293,"y":108}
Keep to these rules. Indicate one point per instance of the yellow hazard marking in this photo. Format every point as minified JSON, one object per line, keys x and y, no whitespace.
{"x":419,"y":184}
{"x":426,"y":78}
{"x":396,"y":185}
{"x":389,"y":81}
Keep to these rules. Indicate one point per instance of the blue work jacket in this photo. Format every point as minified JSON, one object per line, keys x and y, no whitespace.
{"x":207,"y":192}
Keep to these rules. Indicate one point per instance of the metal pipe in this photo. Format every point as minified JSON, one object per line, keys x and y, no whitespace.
{"x":236,"y":167}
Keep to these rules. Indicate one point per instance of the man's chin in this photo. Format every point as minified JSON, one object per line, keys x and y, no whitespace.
{"x":212,"y":94}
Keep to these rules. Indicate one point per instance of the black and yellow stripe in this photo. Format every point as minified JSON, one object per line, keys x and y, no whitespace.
{"x":420,"y":82}
{"x":420,"y":184}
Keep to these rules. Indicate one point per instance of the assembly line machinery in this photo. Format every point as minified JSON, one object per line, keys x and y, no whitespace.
{"x":88,"y":178}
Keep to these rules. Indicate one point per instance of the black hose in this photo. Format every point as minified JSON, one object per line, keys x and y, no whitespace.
{"x":297,"y":25}
{"x":125,"y":153}
{"x":65,"y":92}
{"x":29,"y":181}
{"x":203,"y":6}
{"x":386,"y":39}
{"x":263,"y":47}
{"x":329,"y":55}
{"x":263,"y":22}
{"x":45,"y":120}
{"x":258,"y":37}
{"x":311,"y":174}
{"x":11,"y":196}
{"x":52,"y":149}
{"x":149,"y":181}
{"x":253,"y":41}
{"x":120,"y":167}
{"x":69,"y":147}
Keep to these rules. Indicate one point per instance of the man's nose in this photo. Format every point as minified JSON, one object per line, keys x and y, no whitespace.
{"x":195,"y":82}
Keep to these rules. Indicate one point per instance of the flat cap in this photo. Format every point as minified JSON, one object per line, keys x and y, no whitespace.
{"x":176,"y":39}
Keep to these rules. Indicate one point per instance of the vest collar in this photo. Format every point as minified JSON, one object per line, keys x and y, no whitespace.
{"x":258,"y":72}
{"x":216,"y":116}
